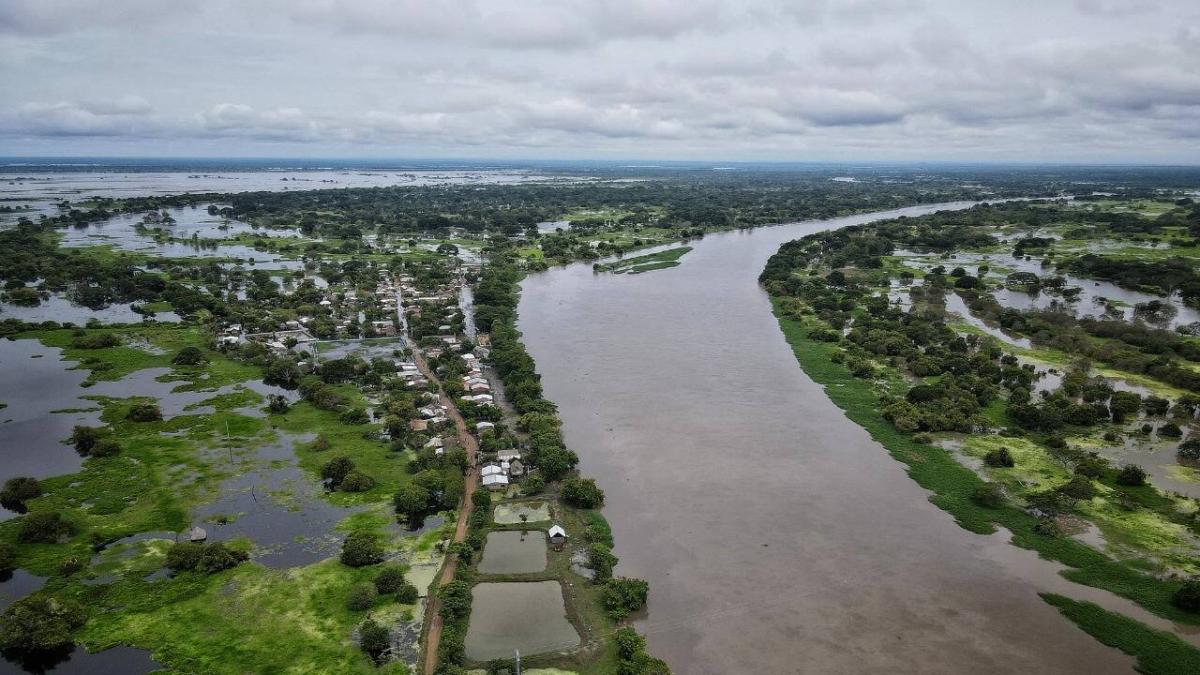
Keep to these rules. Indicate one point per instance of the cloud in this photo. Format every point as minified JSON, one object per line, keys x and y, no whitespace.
{"x":645,"y":78}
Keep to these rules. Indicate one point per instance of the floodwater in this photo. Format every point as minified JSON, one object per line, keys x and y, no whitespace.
{"x":514,"y":552}
{"x":529,"y":616}
{"x":776,"y":535}
{"x":61,"y":310}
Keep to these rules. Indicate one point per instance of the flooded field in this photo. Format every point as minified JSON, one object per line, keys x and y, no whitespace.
{"x":748,"y":499}
{"x":528,"y":616}
{"x":527,"y":512}
{"x":514,"y":552}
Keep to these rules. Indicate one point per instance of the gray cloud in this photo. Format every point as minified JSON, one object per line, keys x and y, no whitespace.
{"x":773,"y":79}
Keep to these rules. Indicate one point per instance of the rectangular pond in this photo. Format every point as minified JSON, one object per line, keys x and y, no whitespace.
{"x":514,"y":552}
{"x":528,"y":616}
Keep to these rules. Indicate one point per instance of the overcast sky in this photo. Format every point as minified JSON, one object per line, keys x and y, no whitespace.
{"x":1006,"y":80}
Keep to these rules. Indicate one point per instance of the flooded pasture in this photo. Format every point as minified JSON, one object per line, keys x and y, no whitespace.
{"x":529,"y":616}
{"x":745,"y":497}
{"x":514,"y":552}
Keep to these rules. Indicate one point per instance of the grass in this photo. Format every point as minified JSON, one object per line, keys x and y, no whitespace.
{"x":648,"y":262}
{"x":1156,"y":651}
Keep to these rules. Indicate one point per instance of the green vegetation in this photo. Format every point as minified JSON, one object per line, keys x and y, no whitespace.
{"x":646,"y":263}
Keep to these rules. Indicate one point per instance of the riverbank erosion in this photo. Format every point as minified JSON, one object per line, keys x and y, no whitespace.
{"x":745,"y":497}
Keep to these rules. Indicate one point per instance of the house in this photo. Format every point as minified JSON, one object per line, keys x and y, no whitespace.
{"x":558,"y":537}
{"x":516,"y":469}
{"x":418,"y":425}
{"x":491,"y":470}
{"x":435,"y":442}
{"x":485,"y":426}
{"x":495,"y":481}
{"x":508,"y":455}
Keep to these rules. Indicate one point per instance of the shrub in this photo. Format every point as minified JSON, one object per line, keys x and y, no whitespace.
{"x":1079,"y":487}
{"x":989,"y":495}
{"x":95,"y":341}
{"x":217,"y":557}
{"x":278,"y":405}
{"x":356,"y":481}
{"x":374,"y":639}
{"x":336,"y":469}
{"x":1000,"y":457}
{"x":407,"y":594}
{"x":389,"y":579}
{"x":70,"y":566}
{"x":320,"y":443}
{"x":1170,"y":430}
{"x":189,"y":356}
{"x":1189,"y":449}
{"x":601,"y":560}
{"x":17,"y":491}
{"x":362,"y":597}
{"x":45,"y":527}
{"x":582,"y":493}
{"x":184,"y":555}
{"x":456,"y":601}
{"x":85,"y":438}
{"x":623,"y":595}
{"x":8,"y":557}
{"x":1187,"y":597}
{"x":40,"y":624}
{"x":105,"y":447}
{"x":361,"y":549}
{"x":144,"y":412}
{"x":1131,"y":475}
{"x":481,"y":499}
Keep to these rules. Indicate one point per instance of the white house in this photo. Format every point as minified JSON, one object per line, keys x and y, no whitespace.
{"x":496,"y":481}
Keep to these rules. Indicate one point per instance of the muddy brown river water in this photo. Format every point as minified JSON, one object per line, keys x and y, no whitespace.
{"x":776,"y":535}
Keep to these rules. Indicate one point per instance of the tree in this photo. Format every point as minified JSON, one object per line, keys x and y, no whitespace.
{"x":582,"y":493}
{"x":456,"y":601}
{"x":1079,"y":487}
{"x":17,"y":491}
{"x":40,"y":624}
{"x":189,"y":356}
{"x":374,"y":639}
{"x":412,"y":502}
{"x":1131,"y":475}
{"x":361,"y":549}
{"x":1189,"y":450}
{"x":362,"y":597}
{"x":44,"y":527}
{"x":407,"y":594}
{"x":622,"y":595}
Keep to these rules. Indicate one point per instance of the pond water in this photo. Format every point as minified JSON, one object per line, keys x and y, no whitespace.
{"x":747,"y":499}
{"x":510,"y":514}
{"x":16,"y":584}
{"x":528,"y":616}
{"x":122,"y":231}
{"x":514,"y":552}
{"x":115,"y":661}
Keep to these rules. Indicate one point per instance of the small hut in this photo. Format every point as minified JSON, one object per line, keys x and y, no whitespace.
{"x":558,"y":537}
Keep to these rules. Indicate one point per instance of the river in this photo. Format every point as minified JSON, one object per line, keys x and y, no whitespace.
{"x":776,"y":535}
